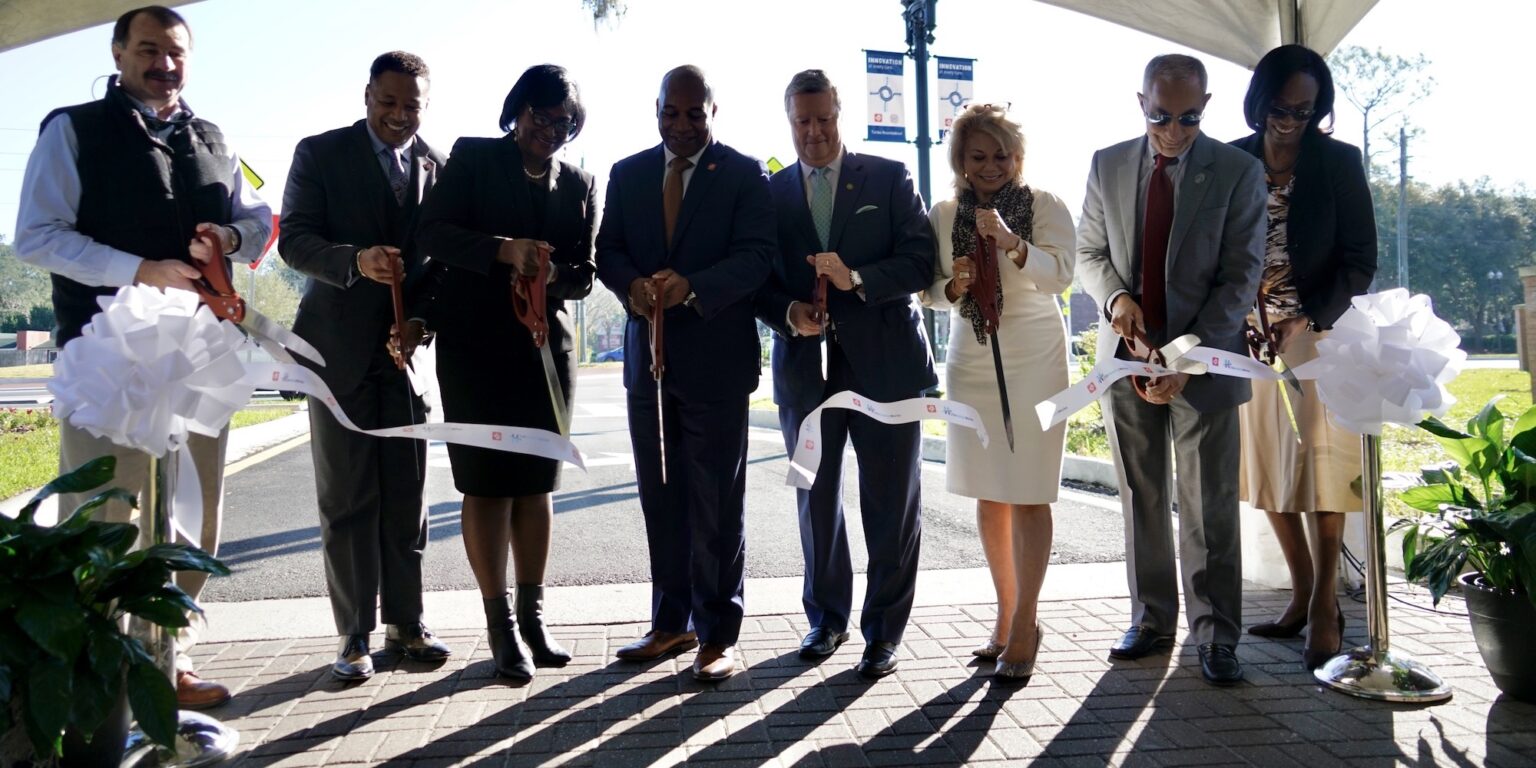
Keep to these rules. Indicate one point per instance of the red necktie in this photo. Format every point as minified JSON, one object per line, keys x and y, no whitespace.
{"x":1156,"y":226}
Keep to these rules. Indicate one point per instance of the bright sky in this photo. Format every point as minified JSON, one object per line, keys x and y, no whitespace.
{"x":272,"y":72}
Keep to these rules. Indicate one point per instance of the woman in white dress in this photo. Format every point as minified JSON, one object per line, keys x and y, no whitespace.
{"x":1014,"y":489}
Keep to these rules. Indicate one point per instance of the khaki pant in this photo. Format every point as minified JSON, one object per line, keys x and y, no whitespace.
{"x":76,"y":447}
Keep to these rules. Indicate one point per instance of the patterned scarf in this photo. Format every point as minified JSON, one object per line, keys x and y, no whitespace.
{"x":1016,"y":205}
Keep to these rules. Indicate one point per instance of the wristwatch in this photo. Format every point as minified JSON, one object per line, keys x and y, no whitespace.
{"x":235,"y":246}
{"x":692,"y":300}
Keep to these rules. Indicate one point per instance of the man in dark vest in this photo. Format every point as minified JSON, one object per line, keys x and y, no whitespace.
{"x":115,"y":192}
{"x":349,"y":216}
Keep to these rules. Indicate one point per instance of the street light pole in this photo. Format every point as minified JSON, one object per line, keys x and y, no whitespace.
{"x":918,"y":16}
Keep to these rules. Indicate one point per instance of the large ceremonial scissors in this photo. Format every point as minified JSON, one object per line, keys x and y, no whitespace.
{"x":216,"y":291}
{"x":529,"y":301}
{"x":984,"y":291}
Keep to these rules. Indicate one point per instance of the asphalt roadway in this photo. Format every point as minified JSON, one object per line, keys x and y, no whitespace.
{"x":272,"y":538}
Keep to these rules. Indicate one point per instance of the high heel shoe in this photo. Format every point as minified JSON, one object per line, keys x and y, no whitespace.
{"x":1312,"y":659}
{"x":512,"y":658}
{"x":990,"y":651}
{"x":1277,"y":630}
{"x":1018,"y":671}
{"x":530,"y":624}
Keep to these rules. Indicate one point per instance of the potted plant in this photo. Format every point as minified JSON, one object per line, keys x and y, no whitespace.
{"x":1478,"y":530}
{"x":67,"y":664}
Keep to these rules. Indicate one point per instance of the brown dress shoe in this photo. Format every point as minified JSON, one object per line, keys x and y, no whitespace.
{"x":193,"y":692}
{"x":714,"y":662}
{"x":657,"y":644}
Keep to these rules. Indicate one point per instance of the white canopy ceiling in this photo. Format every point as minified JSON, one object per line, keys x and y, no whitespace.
{"x":1236,"y":30}
{"x":28,"y":21}
{"x":1240,"y":31}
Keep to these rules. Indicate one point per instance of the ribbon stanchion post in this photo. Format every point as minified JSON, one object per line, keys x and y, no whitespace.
{"x":1387,"y":359}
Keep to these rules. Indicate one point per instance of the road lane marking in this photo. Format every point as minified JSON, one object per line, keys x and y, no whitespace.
{"x":260,"y":456}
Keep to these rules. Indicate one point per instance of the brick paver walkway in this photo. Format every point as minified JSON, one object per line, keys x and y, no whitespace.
{"x":940,"y":708}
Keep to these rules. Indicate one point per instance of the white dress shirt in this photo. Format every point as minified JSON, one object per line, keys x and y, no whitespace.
{"x":50,"y":205}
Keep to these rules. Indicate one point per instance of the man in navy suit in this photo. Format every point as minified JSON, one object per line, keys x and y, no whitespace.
{"x":696,"y":214}
{"x":857,"y":220}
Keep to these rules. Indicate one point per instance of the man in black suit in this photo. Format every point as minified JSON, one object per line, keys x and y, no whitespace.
{"x":349,"y":218}
{"x":695,"y":213}
{"x":858,"y":220}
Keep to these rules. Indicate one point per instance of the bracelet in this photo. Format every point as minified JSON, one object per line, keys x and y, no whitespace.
{"x":359,"y":262}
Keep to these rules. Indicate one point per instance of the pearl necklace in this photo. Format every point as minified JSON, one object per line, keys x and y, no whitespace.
{"x":535,"y":176}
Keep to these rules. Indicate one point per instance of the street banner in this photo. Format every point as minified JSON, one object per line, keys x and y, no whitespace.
{"x":953,"y":90}
{"x":887,"y":119}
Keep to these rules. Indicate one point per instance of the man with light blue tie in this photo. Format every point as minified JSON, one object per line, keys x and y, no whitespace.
{"x":858,"y":220}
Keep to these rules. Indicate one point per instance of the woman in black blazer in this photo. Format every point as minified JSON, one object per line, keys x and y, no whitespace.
{"x":496,"y":203}
{"x":1319,"y":253}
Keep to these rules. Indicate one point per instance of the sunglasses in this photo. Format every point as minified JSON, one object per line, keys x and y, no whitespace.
{"x":1188,"y":119}
{"x":565,"y":127}
{"x":1301,"y":115}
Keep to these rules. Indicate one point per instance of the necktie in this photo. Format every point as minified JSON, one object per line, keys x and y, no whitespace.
{"x":672,"y":195}
{"x":821,"y":204}
{"x":1156,"y":226}
{"x":399,"y":180}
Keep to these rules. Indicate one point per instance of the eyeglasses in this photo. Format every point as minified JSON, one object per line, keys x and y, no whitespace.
{"x":564,"y":127}
{"x":1301,"y":115}
{"x":1188,"y":119}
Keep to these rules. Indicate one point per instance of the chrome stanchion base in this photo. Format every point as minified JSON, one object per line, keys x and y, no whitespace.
{"x":1395,"y":676}
{"x":200,"y":740}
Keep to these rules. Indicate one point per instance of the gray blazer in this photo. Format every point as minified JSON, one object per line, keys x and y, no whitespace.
{"x":1215,"y":253}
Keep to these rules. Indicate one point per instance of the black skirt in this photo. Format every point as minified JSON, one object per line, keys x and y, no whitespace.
{"x":495,"y":375}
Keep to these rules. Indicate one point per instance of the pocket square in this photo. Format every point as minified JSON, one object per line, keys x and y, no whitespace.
{"x":866,"y":208}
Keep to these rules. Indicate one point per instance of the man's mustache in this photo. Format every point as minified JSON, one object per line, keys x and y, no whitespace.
{"x":167,"y":77}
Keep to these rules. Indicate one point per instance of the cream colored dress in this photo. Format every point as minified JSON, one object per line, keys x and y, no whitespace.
{"x":1033,"y":338}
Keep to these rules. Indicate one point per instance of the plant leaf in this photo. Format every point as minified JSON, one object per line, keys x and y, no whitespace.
{"x":1439,"y":428}
{"x":1428,"y":498}
{"x":91,"y":700}
{"x":47,"y":702}
{"x":55,"y":628}
{"x":1489,"y":422}
{"x":182,"y":557}
{"x":92,"y":474}
{"x":157,"y":610}
{"x":153,"y":701}
{"x":87,"y":509}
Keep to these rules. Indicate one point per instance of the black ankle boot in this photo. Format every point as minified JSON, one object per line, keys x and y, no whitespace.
{"x":512,"y":657}
{"x":530,"y":618}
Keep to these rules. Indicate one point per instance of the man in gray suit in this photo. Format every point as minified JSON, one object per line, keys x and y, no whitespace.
{"x":1171,"y":242}
{"x":349,"y":214}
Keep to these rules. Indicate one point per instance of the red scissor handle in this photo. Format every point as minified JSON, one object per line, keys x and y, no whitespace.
{"x":397,"y":296}
{"x":1154,"y":356}
{"x":984,"y":286}
{"x":214,"y":287}
{"x":1264,"y":340}
{"x":819,"y":301}
{"x":530,"y":299}
{"x":658,"y":348}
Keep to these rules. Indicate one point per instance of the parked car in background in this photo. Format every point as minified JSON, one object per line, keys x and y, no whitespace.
{"x":615,"y":355}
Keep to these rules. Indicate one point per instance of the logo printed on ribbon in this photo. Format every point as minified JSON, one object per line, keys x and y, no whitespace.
{"x":806,"y":460}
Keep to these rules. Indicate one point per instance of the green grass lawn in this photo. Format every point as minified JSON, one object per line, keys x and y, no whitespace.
{"x":40,"y":371}
{"x":30,"y":443}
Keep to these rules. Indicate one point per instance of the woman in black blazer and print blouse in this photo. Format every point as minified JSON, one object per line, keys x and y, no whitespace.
{"x":495,"y":204}
{"x":1320,"y":252}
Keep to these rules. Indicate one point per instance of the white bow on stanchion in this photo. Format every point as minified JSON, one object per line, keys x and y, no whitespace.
{"x":1387,"y":360}
{"x":151,"y":368}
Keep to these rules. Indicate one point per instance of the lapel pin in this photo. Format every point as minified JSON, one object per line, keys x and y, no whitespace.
{"x":850,"y":185}
{"x":1199,"y":178}
{"x":711,"y":166}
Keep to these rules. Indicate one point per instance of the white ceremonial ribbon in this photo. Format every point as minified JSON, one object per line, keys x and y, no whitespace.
{"x":1242,"y":366}
{"x":534,"y":442}
{"x":1177,"y":353}
{"x":807,"y":457}
{"x":1387,"y":360}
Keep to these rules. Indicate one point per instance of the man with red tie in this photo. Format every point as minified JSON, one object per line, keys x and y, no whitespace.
{"x":1171,"y":242}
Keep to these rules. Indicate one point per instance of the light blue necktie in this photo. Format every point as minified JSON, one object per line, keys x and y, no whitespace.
{"x":821,"y":204}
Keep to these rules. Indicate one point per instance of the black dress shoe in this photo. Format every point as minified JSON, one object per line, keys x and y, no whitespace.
{"x":1312,"y":658}
{"x":1278,"y":630}
{"x":352,"y":660}
{"x":821,"y":642}
{"x":415,"y":641}
{"x":1139,"y":641}
{"x":879,"y":660}
{"x":1219,"y":664}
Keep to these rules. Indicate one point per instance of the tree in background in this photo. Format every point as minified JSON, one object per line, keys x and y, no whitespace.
{"x":1379,"y":84}
{"x":1468,"y":240}
{"x":23,"y":290}
{"x":276,"y":289}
